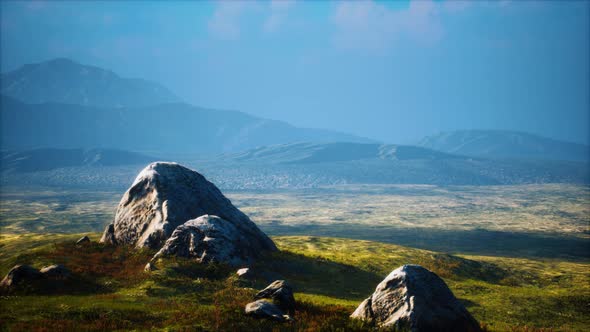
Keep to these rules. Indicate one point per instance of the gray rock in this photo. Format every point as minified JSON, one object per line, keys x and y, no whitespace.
{"x":84,"y":239}
{"x":166,"y":195}
{"x":212,"y":239}
{"x":108,"y":236}
{"x":21,"y":274}
{"x":56,"y":271}
{"x":281,"y":294}
{"x":149,"y":267}
{"x":415,"y":299}
{"x":244,"y":272}
{"x":266,"y":309}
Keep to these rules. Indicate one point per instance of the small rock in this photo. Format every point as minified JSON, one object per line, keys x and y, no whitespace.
{"x":55,"y":271}
{"x":415,"y":299}
{"x":266,"y":309}
{"x":244,"y":273}
{"x":84,"y":239}
{"x":19,"y":274}
{"x":149,"y":267}
{"x":281,"y":293}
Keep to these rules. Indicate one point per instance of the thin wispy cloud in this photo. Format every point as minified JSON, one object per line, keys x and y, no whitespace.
{"x":225,"y":22}
{"x":278,"y":14}
{"x":371,"y":25}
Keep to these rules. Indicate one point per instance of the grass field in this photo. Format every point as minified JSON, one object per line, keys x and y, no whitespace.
{"x":330,"y":276}
{"x":516,"y":256}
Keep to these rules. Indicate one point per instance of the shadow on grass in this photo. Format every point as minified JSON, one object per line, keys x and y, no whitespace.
{"x":315,"y":275}
{"x":475,"y":242}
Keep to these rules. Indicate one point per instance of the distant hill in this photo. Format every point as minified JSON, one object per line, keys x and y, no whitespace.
{"x":48,"y":159}
{"x":165,"y":128}
{"x":506,"y":144}
{"x":68,"y":82}
{"x":308,"y":153}
{"x":313,"y":164}
{"x":305,"y":165}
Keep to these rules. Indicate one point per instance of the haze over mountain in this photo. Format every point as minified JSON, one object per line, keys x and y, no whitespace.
{"x":165,"y":128}
{"x":310,"y":153}
{"x":505,"y":144}
{"x":304,"y":165}
{"x":335,"y":163}
{"x":65,"y":81}
{"x":48,"y":159}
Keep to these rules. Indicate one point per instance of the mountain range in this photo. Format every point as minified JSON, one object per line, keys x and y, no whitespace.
{"x":506,"y":145}
{"x":357,"y":163}
{"x":311,"y":153}
{"x":290,"y":166}
{"x":63,"y":138}
{"x":163,"y":128}
{"x":47,"y":159}
{"x":65,"y":81}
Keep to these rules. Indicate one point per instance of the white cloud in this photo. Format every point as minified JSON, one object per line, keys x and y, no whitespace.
{"x":278,"y":14}
{"x":225,"y":22}
{"x":374,"y":26}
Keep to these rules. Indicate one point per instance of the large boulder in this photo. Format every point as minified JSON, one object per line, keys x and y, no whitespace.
{"x":415,"y":299}
{"x":166,"y":195}
{"x":212,"y":239}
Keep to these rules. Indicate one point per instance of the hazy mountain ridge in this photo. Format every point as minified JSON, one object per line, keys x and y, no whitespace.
{"x":65,"y":81}
{"x":49,"y":159}
{"x":506,"y":145}
{"x":175,"y":127}
{"x":340,"y":163}
{"x":307,"y":153}
{"x":258,"y":153}
{"x":309,"y":165}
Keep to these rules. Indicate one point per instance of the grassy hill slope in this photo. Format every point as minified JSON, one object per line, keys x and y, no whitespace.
{"x":330,"y":277}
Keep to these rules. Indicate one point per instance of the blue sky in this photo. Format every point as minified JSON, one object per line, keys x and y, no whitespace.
{"x":395,"y":71}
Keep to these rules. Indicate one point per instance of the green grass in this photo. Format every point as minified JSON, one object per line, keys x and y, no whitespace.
{"x":520,"y":258}
{"x":330,"y":277}
{"x":502,"y":293}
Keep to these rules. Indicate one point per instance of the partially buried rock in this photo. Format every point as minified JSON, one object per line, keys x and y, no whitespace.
{"x":30,"y":278}
{"x":84,"y":239}
{"x":165,"y":196}
{"x":415,"y":299}
{"x":266,"y":309}
{"x":56,"y":271}
{"x":21,"y":274}
{"x":212,"y":239}
{"x":281,"y":293}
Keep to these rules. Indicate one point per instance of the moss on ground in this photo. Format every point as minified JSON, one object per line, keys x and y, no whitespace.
{"x":330,"y":276}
